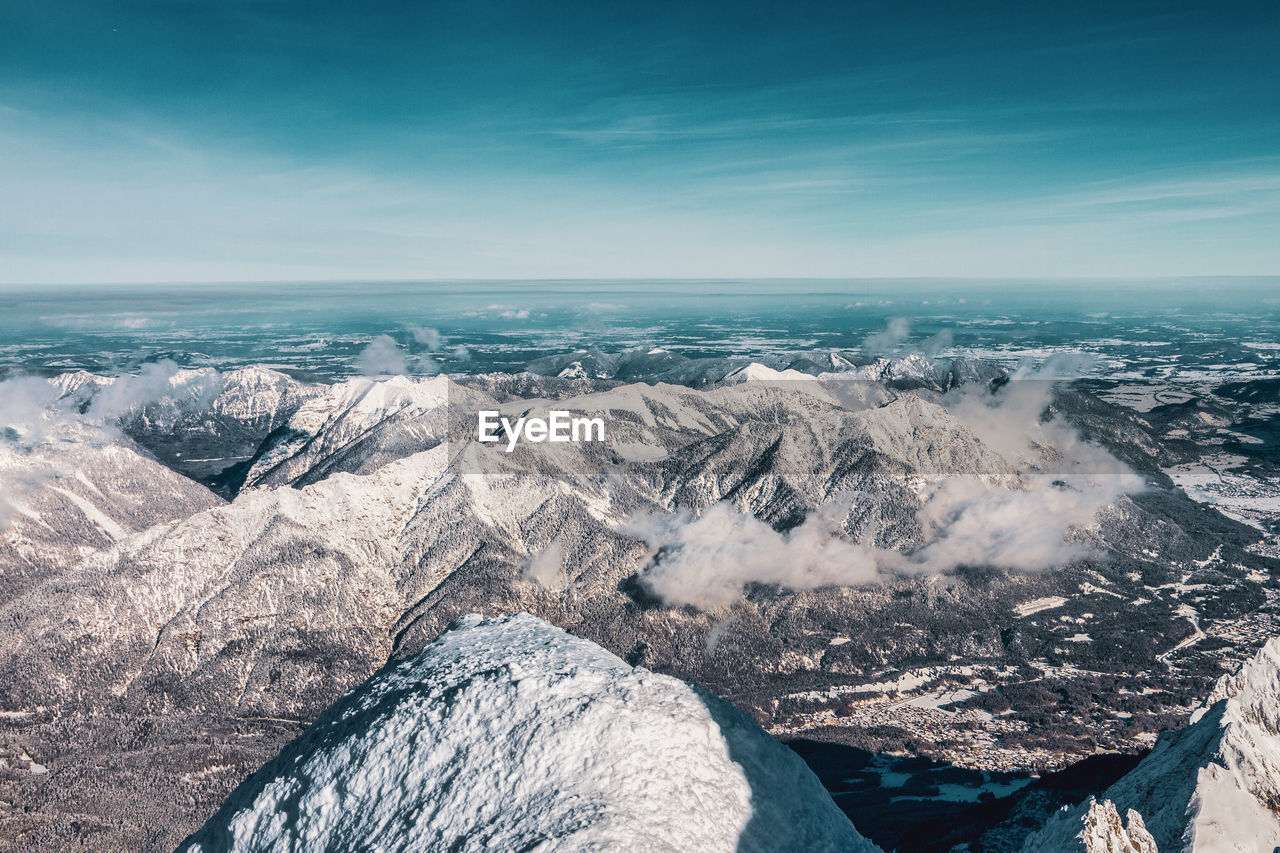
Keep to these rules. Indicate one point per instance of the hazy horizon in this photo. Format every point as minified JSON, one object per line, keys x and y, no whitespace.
{"x":980,"y":280}
{"x":1184,"y":328}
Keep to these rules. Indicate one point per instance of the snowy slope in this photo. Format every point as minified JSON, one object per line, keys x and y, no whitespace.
{"x":756,"y":372}
{"x":71,"y":484}
{"x":509,"y":734}
{"x":355,"y":426}
{"x":1209,"y":788}
{"x":61,"y":503}
{"x":281,"y":594}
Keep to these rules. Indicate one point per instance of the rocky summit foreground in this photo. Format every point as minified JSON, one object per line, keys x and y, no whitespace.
{"x":509,"y":734}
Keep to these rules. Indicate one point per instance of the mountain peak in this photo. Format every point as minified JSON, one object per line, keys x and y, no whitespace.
{"x":509,"y":734}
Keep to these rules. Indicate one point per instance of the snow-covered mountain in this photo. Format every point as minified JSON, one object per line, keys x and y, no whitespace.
{"x":72,"y":485}
{"x":883,"y":538}
{"x":656,"y":364}
{"x":62,"y":504}
{"x":205,"y":424}
{"x":1212,"y":787}
{"x":510,"y":734}
{"x":274,"y":603}
{"x":353,"y":426}
{"x":1094,"y":827}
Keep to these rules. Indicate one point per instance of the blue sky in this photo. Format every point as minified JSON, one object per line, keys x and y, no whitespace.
{"x":186,"y":140}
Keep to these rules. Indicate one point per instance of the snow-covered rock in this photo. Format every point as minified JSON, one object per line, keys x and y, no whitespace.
{"x":509,"y":734}
{"x":1212,"y":787}
{"x":756,"y":372}
{"x":573,"y":371}
{"x":1100,"y":829}
{"x":914,"y":369}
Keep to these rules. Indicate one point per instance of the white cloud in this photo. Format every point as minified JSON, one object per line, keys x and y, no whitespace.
{"x":976,"y":523}
{"x":32,"y":410}
{"x":890,"y":339}
{"x":34,"y":416}
{"x":382,"y":356}
{"x":710,"y":558}
{"x":967,"y":520}
{"x":430,"y":338}
{"x":1008,"y":419}
{"x":546,"y":567}
{"x":155,"y":381}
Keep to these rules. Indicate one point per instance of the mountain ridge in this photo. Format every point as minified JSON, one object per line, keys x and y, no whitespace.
{"x":379,"y":523}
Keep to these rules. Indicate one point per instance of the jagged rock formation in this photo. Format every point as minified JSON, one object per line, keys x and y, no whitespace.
{"x":510,"y":734}
{"x":1096,"y":828}
{"x":1210,"y":788}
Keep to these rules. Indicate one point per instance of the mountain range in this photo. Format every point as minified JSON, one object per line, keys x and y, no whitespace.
{"x":934,"y":557}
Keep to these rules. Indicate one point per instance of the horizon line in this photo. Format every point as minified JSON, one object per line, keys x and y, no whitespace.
{"x":1004,"y":279}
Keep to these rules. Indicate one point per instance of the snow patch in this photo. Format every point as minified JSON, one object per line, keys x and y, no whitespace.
{"x":1036,"y":605}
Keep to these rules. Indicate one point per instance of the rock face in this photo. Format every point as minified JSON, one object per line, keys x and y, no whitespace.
{"x":1209,"y":788}
{"x":1099,"y":829}
{"x":509,"y":734}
